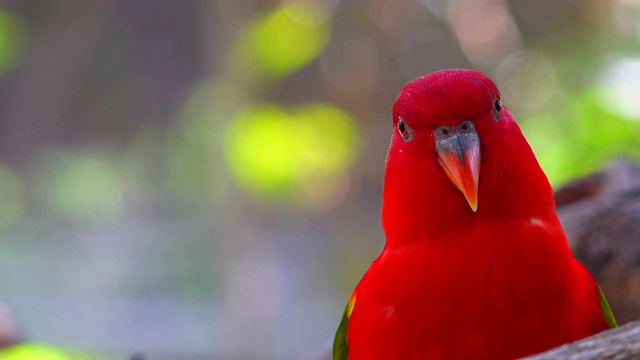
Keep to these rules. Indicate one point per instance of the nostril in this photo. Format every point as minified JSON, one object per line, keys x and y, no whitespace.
{"x":466,"y":125}
{"x":443,"y":132}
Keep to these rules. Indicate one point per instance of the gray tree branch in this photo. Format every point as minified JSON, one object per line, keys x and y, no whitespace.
{"x":616,"y":344}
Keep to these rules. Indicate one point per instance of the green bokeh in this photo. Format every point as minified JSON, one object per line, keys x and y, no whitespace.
{"x":194,"y":144}
{"x":280,"y":42}
{"x":12,"y":38}
{"x":29,"y":351}
{"x":87,"y":188}
{"x":12,"y":197}
{"x":271,"y":149}
{"x":579,"y":134}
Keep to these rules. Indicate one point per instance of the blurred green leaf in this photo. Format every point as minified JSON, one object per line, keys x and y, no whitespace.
{"x":271,"y":150}
{"x":85,"y":187}
{"x":12,"y":39}
{"x":259,"y":150}
{"x":12,"y":202}
{"x":574,"y":139}
{"x":281,"y":41}
{"x":195,"y":141}
{"x":31,"y":351}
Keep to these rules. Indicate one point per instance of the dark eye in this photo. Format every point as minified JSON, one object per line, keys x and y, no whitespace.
{"x":404,"y":131}
{"x":497,"y":108}
{"x":498,"y":105}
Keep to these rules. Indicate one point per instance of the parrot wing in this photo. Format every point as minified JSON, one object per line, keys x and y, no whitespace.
{"x":606,"y":310}
{"x":340,"y":341}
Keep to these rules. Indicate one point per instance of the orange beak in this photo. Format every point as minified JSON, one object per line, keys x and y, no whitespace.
{"x":459,"y":155}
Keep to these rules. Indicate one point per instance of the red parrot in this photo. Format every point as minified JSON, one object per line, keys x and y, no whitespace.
{"x":475,"y":263}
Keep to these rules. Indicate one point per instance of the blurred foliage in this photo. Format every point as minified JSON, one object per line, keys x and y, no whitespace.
{"x":272,"y":150}
{"x":281,"y":41}
{"x":40,"y":351}
{"x":84,"y":187}
{"x":29,"y":351}
{"x":12,"y":40}
{"x":12,"y":197}
{"x":299,"y":154}
{"x":580,"y":135}
{"x":193,"y":140}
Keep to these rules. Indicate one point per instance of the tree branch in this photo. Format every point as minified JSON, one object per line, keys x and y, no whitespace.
{"x":616,"y":344}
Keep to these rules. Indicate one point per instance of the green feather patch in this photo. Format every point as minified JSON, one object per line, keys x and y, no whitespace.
{"x":340,"y":347}
{"x":606,"y":310}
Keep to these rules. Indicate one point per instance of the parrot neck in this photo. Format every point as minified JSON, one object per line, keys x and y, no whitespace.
{"x":419,"y":204}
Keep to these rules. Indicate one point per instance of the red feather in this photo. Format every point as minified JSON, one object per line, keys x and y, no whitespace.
{"x":497,"y":283}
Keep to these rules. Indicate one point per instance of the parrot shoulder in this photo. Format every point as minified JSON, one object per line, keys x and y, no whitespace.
{"x":340,"y":345}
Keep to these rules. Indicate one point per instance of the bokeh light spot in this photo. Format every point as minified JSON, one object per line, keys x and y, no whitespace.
{"x":551,"y":141}
{"x":11,"y":197}
{"x":580,"y":136}
{"x":29,"y":351}
{"x":310,"y":11}
{"x":485,"y":30}
{"x":198,"y":136}
{"x":527,"y":79}
{"x":621,"y":88}
{"x":327,"y":138}
{"x":12,"y":38}
{"x":259,"y":148}
{"x":86,"y":188}
{"x":281,"y":41}
{"x":273,"y":151}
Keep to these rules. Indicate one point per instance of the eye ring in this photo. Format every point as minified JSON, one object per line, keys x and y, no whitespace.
{"x":404,"y":130}
{"x":497,"y":107}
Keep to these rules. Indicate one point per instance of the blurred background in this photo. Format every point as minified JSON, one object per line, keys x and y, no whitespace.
{"x":201,"y":179}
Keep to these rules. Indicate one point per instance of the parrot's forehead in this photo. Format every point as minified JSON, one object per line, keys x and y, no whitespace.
{"x":446,"y":94}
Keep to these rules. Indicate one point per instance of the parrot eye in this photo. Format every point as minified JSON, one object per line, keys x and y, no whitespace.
{"x":497,"y":108}
{"x":404,"y":130}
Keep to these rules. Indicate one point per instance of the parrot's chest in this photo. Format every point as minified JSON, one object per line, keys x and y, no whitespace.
{"x":481,"y":301}
{"x":456,"y":292}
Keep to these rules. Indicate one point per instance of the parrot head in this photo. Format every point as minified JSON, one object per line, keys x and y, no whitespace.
{"x":456,"y":153}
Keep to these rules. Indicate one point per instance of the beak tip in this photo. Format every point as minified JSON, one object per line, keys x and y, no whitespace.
{"x":474,"y":205}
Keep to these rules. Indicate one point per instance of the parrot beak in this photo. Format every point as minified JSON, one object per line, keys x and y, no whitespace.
{"x":459,"y":155}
